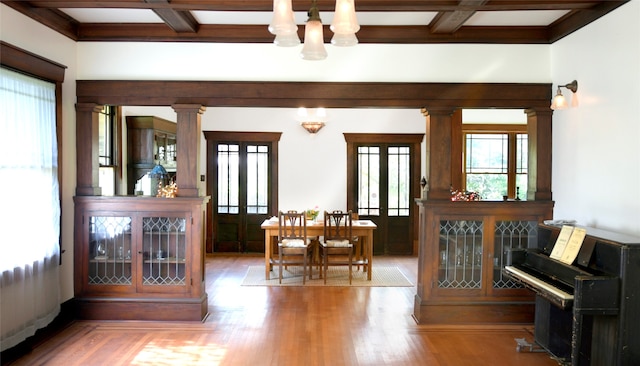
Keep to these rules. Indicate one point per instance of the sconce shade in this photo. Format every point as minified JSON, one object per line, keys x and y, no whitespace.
{"x":560,"y":102}
{"x":283,"y":22}
{"x":312,"y":127}
{"x":312,"y":119}
{"x":313,"y":48}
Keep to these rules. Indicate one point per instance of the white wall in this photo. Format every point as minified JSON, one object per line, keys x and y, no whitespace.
{"x":596,"y":146}
{"x":31,"y":36}
{"x":365,"y":62}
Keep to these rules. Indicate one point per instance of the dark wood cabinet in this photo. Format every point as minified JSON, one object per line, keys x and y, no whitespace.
{"x":140,"y":258}
{"x":150,"y":141}
{"x":463,"y":247}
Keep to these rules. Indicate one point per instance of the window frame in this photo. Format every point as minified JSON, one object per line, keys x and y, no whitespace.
{"x":114,"y":144}
{"x":28,"y":63}
{"x":511,"y":130}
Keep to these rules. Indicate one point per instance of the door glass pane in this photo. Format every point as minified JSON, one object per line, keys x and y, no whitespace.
{"x":228,"y":178}
{"x":110,"y":252}
{"x":398,"y":162}
{"x":460,"y":254}
{"x":257,"y":179}
{"x":511,"y":235}
{"x":164,"y":250}
{"x":369,"y":180}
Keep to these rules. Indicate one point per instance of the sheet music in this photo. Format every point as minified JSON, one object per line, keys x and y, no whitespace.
{"x":561,"y":242}
{"x":574,"y":245}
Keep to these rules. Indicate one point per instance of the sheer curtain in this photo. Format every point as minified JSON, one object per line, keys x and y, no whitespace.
{"x":30,"y":212}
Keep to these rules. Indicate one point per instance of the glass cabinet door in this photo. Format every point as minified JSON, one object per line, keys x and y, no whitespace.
{"x":109,"y":250}
{"x":460,"y":254}
{"x":164,"y":251}
{"x":510,"y":235}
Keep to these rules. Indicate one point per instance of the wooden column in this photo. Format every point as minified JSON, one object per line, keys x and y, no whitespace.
{"x":438,"y":152}
{"x":540,"y":145}
{"x":188,"y":148}
{"x":87,"y":153}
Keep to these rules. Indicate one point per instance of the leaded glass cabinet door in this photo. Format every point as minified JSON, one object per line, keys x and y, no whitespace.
{"x":165,"y":253}
{"x":460,"y":255}
{"x":472,"y":252}
{"x":510,"y":235}
{"x":109,"y":255}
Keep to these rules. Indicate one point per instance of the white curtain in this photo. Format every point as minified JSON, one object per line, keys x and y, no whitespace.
{"x":30,"y":211}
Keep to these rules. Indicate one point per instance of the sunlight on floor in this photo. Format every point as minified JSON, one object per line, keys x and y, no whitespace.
{"x":156,"y":353}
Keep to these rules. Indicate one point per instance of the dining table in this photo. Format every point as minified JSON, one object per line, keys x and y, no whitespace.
{"x":362,"y":229}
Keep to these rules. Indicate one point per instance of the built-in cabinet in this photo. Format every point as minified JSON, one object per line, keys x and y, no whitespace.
{"x":140,"y":258}
{"x":464,"y":246}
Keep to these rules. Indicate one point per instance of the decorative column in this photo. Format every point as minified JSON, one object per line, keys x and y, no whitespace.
{"x":188,"y":148}
{"x":87,"y":153}
{"x":539,"y":132}
{"x":438,"y":152}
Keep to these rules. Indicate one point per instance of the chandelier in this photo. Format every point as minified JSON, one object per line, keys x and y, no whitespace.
{"x":344,"y":27}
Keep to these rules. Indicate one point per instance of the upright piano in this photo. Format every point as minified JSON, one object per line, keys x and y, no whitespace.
{"x":586,"y":313}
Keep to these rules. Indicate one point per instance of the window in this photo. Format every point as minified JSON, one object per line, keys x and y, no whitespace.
{"x":106,"y":150}
{"x":495,"y":161}
{"x":31,"y":202}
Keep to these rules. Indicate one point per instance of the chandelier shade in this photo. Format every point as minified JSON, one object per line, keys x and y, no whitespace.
{"x":344,"y":19}
{"x":344,"y":39}
{"x":283,"y":21}
{"x":287,"y":40}
{"x":344,"y":27}
{"x":313,"y":48}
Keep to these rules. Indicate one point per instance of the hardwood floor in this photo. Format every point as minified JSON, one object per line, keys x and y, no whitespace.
{"x":251,"y":325}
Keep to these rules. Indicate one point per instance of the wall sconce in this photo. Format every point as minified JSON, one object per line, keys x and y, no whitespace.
{"x":312,"y":120}
{"x":559,"y":101}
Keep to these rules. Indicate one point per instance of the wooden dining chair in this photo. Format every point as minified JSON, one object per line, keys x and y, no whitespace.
{"x":293,"y":244}
{"x":337,"y":241}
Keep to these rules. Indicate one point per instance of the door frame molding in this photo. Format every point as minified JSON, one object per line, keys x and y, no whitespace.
{"x":214,"y":137}
{"x":412,"y":139}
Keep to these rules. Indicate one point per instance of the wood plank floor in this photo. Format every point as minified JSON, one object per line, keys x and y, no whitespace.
{"x":250,"y":325}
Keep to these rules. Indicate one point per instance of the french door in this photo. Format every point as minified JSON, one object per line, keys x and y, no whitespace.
{"x":383,"y":183}
{"x":242,"y":187}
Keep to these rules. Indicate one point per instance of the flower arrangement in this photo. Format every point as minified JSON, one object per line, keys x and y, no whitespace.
{"x":464,"y":196}
{"x":312,"y":214}
{"x":169,"y":191}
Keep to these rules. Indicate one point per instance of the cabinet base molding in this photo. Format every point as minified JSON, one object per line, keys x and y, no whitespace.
{"x":163,"y":309}
{"x":476,"y":313}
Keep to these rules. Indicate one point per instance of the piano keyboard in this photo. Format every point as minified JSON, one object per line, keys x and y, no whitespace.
{"x":537,"y":283}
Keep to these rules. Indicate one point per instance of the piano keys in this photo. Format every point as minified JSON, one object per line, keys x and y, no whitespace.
{"x":587,"y":312}
{"x":545,"y":289}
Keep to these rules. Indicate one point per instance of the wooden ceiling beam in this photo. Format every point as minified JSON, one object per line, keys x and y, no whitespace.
{"x":260,"y":34}
{"x":180,"y":21}
{"x":451,"y":21}
{"x":330,"y":95}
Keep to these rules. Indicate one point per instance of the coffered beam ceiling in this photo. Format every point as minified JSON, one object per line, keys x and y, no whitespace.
{"x":447,"y":26}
